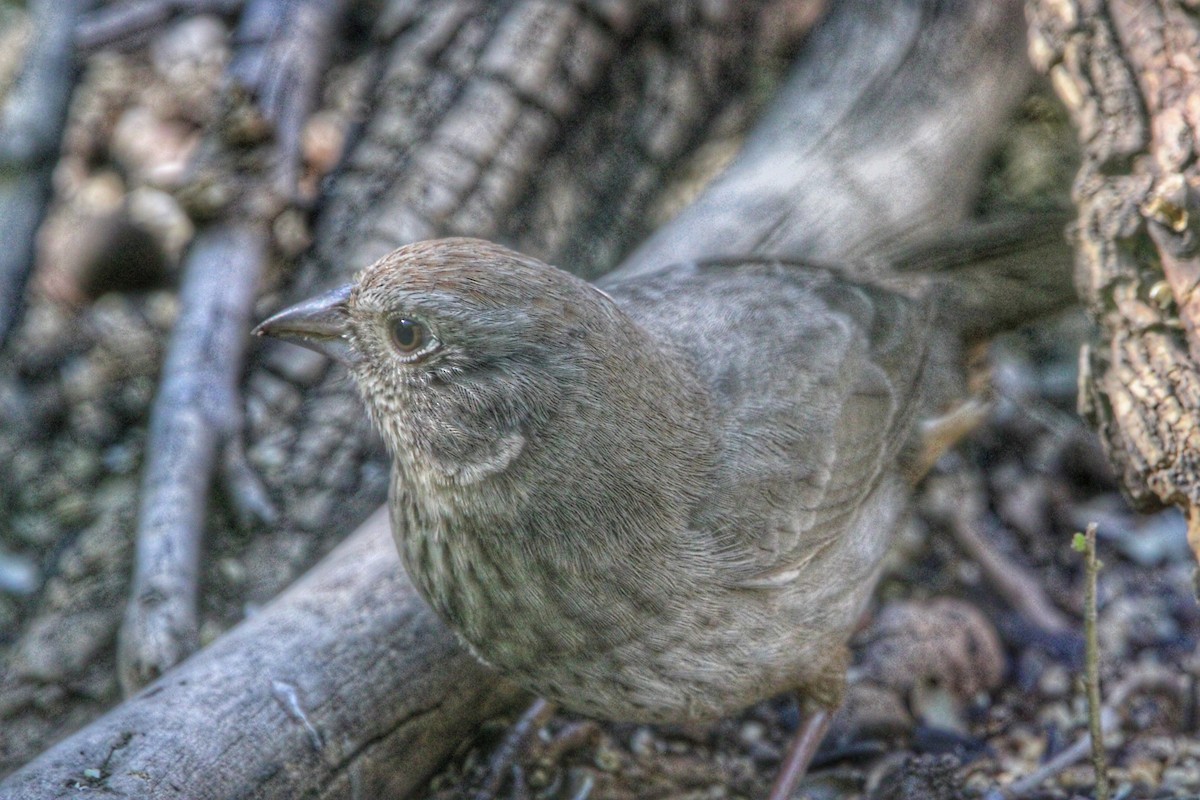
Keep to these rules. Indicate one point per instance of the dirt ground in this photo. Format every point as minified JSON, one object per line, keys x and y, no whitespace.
{"x":955,"y":690}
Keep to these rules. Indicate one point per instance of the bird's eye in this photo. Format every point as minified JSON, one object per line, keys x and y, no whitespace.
{"x":408,"y":335}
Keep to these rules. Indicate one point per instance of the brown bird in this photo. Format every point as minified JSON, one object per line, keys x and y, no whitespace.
{"x":661,"y":500}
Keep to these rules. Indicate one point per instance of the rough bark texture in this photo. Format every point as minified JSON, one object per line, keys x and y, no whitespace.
{"x":1127,"y":70}
{"x":345,"y":647}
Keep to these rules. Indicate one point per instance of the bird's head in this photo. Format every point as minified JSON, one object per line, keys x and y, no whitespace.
{"x":461,"y":348}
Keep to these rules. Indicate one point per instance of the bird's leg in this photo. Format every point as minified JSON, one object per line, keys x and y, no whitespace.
{"x":939,"y":434}
{"x":800,"y":753}
{"x":517,"y":738}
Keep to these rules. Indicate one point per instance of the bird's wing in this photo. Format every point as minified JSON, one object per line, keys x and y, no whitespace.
{"x":815,"y":381}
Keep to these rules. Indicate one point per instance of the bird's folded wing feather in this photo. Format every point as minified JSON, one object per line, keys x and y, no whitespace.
{"x":814,"y":379}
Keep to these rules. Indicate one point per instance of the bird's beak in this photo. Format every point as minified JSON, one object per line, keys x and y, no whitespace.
{"x":319,"y":323}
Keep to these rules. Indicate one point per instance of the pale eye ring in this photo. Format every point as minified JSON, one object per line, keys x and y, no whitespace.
{"x":409,"y":336}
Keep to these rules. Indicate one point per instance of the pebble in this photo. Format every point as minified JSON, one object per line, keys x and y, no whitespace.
{"x":752,"y":733}
{"x":34,"y":529}
{"x":120,"y":459}
{"x":606,"y":758}
{"x":160,"y":214}
{"x":1182,"y":777}
{"x":642,"y":743}
{"x":18,"y":575}
{"x":323,"y":139}
{"x":1152,"y":541}
{"x":297,"y":365}
{"x":1055,"y":682}
{"x":195,"y":43}
{"x":232,"y":570}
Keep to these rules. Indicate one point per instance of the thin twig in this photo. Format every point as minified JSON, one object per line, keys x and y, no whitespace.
{"x":1092,"y":662}
{"x":540,"y":712}
{"x":31,"y":130}
{"x":129,"y":23}
{"x":1102,"y":720}
{"x":1146,"y":678}
{"x":282,"y":49}
{"x":1012,"y":581}
{"x":1065,"y":759}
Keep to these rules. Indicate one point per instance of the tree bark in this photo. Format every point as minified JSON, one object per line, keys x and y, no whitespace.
{"x":1128,"y":73}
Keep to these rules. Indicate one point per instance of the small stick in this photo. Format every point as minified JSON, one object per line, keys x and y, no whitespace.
{"x":1101,"y":719}
{"x":1014,"y":583}
{"x":196,"y":422}
{"x":1071,"y":755}
{"x":196,"y":406}
{"x":32,"y":121}
{"x":1087,"y":542}
{"x":129,"y":23}
{"x":282,"y":50}
{"x":540,"y":712}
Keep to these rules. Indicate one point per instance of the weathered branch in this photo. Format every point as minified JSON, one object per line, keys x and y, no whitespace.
{"x":345,"y":685}
{"x":130,"y":23}
{"x":31,"y":129}
{"x":197,"y":402}
{"x":1127,"y":72}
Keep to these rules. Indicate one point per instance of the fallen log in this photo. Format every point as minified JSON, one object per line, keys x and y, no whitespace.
{"x":346,"y":683}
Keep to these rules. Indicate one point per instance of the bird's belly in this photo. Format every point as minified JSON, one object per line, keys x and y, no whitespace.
{"x":594,"y":649}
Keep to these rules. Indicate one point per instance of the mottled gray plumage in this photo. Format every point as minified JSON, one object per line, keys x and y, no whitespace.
{"x":662,"y":501}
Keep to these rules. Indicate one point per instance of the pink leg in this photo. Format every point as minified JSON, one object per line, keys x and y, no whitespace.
{"x":800,"y":754}
{"x":515,"y":741}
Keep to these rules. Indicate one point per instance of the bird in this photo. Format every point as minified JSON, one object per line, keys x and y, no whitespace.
{"x":658,"y":498}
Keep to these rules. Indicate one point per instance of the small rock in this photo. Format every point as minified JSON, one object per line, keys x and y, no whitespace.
{"x":1055,"y":682}
{"x":322,"y":141}
{"x":752,"y":732}
{"x":152,"y":149}
{"x":297,"y":365}
{"x":158,"y":213}
{"x":920,"y":778}
{"x":943,"y":642}
{"x":18,"y":575}
{"x":642,"y":743}
{"x":232,"y":570}
{"x":606,"y":758}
